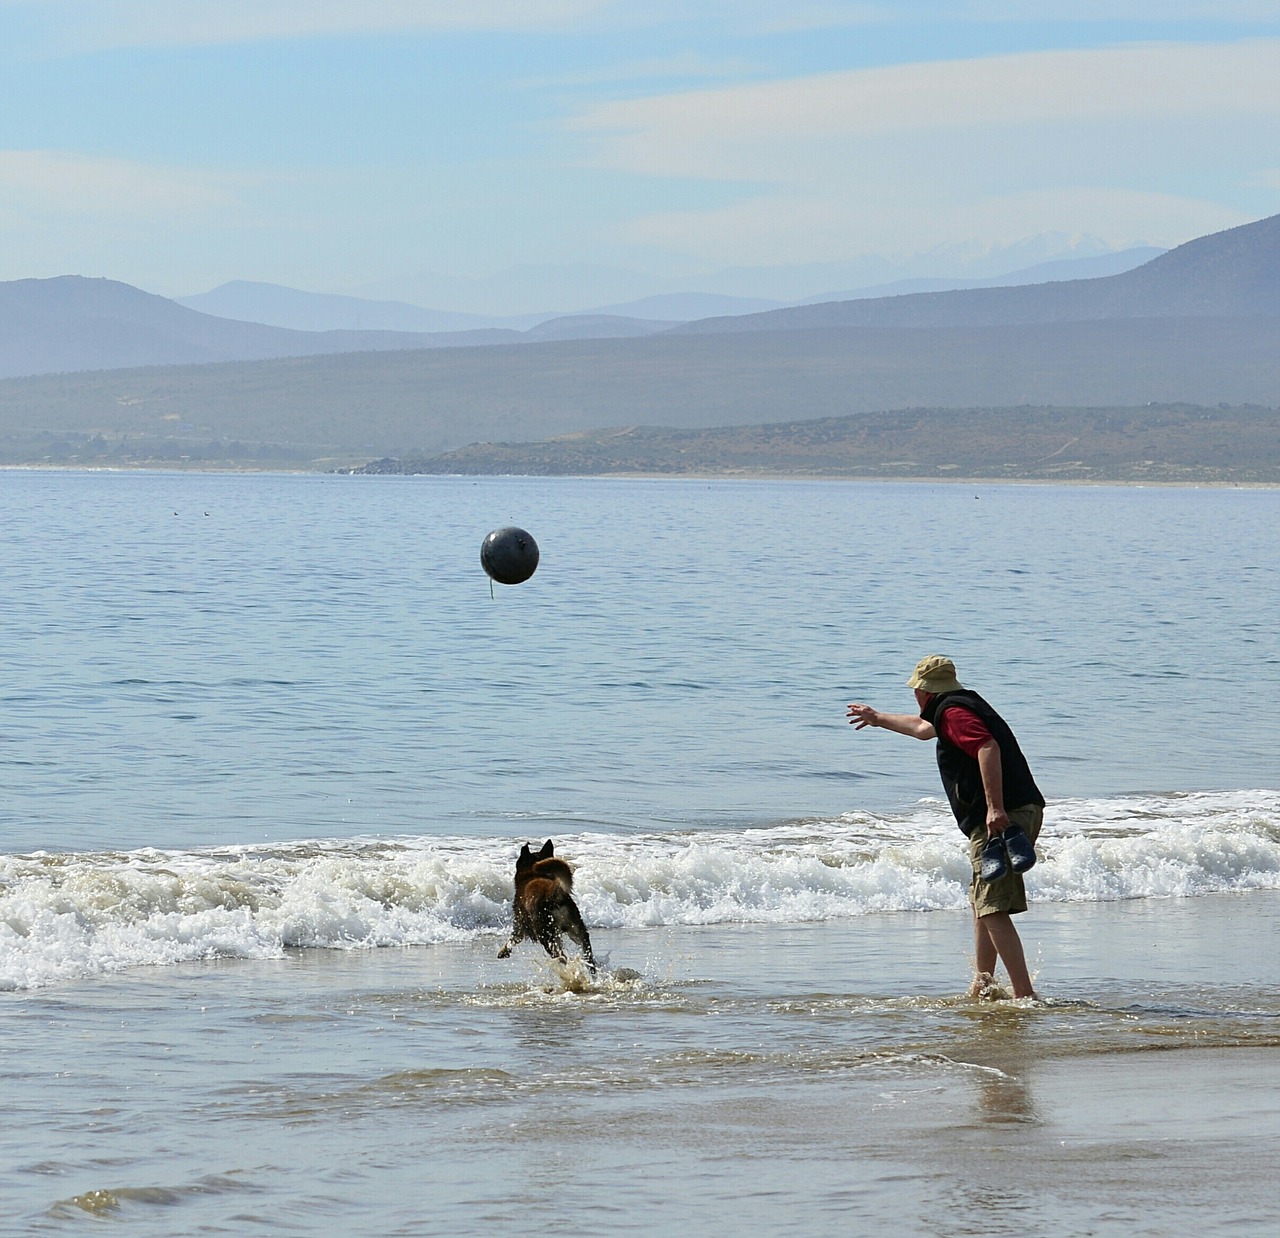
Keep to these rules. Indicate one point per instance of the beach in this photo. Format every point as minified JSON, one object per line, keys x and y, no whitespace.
{"x":750,"y":1080}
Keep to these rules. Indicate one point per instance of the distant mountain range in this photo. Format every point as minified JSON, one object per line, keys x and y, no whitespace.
{"x":553,"y":290}
{"x":1232,"y":274}
{"x":72,"y":323}
{"x":312,"y":311}
{"x":1041,"y":273}
{"x":273,"y":305}
{"x":1199,"y":325}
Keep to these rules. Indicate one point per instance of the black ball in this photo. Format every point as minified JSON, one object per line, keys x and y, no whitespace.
{"x":509,"y":555}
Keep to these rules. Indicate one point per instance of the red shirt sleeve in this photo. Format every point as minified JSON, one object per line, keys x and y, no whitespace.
{"x":965,"y":730}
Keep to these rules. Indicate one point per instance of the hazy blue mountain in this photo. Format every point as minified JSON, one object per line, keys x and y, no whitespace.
{"x":1235,"y":273}
{"x":528,"y":292}
{"x":73,"y":323}
{"x":1042,"y":273}
{"x":514,"y":295}
{"x":961,"y":262}
{"x":277,"y":306}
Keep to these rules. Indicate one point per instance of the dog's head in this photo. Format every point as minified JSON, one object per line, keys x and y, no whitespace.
{"x":527,"y":859}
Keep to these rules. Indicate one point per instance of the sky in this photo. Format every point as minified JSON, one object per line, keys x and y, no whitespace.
{"x":504,"y":156}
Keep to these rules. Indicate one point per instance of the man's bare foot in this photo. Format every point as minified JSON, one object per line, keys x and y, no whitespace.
{"x":983,"y":986}
{"x":986,"y":988}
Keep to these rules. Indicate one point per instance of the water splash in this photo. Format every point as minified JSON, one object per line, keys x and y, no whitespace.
{"x":64,"y":916}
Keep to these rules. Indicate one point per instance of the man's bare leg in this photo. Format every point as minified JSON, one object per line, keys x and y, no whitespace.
{"x":984,"y":954}
{"x":995,"y":935}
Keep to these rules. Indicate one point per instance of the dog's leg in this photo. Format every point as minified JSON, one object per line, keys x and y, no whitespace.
{"x":521,"y":930}
{"x":574,"y":927}
{"x":549,"y":936}
{"x":579,"y":934}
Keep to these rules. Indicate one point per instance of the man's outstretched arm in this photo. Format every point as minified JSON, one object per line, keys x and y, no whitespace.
{"x":904,"y":724}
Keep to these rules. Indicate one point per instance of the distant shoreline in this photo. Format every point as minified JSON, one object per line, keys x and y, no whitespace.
{"x":1154,"y":444}
{"x":830,"y":478}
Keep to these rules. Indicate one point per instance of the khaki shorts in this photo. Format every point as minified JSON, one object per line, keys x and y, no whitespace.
{"x":1008,"y":893}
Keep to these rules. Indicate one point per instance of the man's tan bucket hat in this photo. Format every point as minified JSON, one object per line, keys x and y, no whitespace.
{"x":935,"y":674}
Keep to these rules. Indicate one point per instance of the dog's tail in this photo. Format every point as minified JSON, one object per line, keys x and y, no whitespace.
{"x":557,"y":871}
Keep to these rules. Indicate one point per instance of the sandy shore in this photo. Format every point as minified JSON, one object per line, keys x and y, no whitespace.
{"x":803,"y":1079}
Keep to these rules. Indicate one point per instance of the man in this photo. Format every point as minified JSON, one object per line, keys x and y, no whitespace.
{"x":990,"y":787}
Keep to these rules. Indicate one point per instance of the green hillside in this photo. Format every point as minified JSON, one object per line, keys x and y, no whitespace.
{"x":318,"y":412}
{"x":1157,"y":444}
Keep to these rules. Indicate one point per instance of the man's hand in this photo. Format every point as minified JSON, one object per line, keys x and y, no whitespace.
{"x":904,"y":724}
{"x":862,"y":715}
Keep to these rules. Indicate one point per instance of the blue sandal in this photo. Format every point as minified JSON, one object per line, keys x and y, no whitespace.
{"x":994,"y":861}
{"x":1022,"y":855}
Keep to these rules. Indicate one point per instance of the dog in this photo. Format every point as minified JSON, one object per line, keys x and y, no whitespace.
{"x":544,"y":909}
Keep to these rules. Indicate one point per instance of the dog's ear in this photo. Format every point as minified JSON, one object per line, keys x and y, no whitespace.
{"x":547,"y":850}
{"x":525,"y":857}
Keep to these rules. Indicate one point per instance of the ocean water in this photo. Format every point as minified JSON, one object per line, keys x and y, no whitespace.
{"x":270,"y":745}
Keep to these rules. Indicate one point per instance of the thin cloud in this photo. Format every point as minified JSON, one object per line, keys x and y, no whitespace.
{"x":897,"y":160}
{"x":771,"y":17}
{"x":720,"y":133}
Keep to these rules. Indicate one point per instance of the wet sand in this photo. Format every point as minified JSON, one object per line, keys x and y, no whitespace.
{"x":805,"y":1079}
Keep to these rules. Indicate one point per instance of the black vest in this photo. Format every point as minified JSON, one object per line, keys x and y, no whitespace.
{"x":961,"y":777}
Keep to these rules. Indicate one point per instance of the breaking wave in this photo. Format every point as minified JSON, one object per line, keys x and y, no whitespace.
{"x":70,"y":915}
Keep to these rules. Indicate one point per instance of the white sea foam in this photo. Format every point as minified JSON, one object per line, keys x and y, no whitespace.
{"x":69,"y":915}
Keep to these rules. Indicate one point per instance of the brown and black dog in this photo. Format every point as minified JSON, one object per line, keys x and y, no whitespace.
{"x":544,"y":907}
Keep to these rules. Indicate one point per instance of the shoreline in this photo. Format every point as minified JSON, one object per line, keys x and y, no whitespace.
{"x":800,"y":1079}
{"x":241,"y":471}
